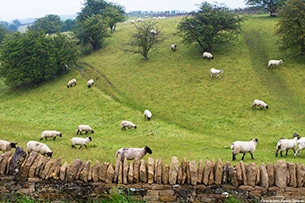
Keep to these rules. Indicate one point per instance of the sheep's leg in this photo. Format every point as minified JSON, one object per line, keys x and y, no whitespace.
{"x":276,"y":153}
{"x":242,"y":158}
{"x":251,"y":155}
{"x":77,"y":132}
{"x":233,"y":157}
{"x":73,"y":146}
{"x":86,"y":146}
{"x":286,"y":153}
{"x":80,"y":147}
{"x":281,"y":153}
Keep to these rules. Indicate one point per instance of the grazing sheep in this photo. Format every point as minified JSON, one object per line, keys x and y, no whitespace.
{"x":50,"y":134}
{"x":147,"y":114}
{"x":153,"y":32}
{"x":260,"y":104}
{"x":90,"y":83}
{"x":274,"y":62}
{"x":80,"y":141}
{"x":301,"y":144}
{"x":286,"y":144}
{"x":39,"y":148}
{"x":173,"y":47}
{"x":7,"y":146}
{"x":243,"y":147}
{"x":128,"y":124}
{"x":216,"y":72}
{"x":71,"y":82}
{"x":207,"y":55}
{"x":132,"y":153}
{"x":82,"y":128}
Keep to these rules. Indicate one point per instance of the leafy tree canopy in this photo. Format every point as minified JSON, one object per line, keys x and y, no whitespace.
{"x":3,"y":32}
{"x":33,"y":57}
{"x":49,"y":24}
{"x":271,"y":6}
{"x":211,"y":25}
{"x":291,"y":26}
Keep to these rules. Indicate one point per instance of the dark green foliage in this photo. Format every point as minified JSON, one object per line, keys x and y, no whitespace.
{"x":144,"y":39}
{"x":34,"y":57}
{"x":209,"y":26}
{"x":271,"y":6}
{"x":68,"y":25}
{"x":49,"y":24}
{"x":3,"y":32}
{"x":291,"y":26}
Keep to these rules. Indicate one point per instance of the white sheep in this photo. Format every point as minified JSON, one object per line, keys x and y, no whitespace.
{"x":153,"y":32}
{"x":215,"y":72}
{"x":128,"y":124}
{"x":173,"y":47}
{"x":207,"y":55}
{"x":71,"y":83}
{"x":286,"y":144}
{"x":147,"y":114}
{"x":80,"y":141}
{"x":259,"y":103}
{"x":132,"y":153}
{"x":301,"y":144}
{"x":243,"y":147}
{"x":7,"y":146}
{"x":39,"y":148}
{"x":90,"y":83}
{"x":50,"y":134}
{"x":85,"y":128}
{"x":274,"y":62}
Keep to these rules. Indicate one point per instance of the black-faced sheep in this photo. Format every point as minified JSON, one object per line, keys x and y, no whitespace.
{"x":301,"y":144}
{"x":128,"y":124}
{"x":147,"y":114}
{"x":90,"y":83}
{"x":85,"y":128}
{"x":50,"y":134}
{"x":39,"y":148}
{"x":214,"y":71}
{"x":260,"y":104}
{"x":243,"y":147}
{"x":207,"y":55}
{"x":7,"y":146}
{"x":132,"y":153}
{"x":80,"y":141}
{"x":71,"y":83}
{"x":286,"y":144}
{"x":173,"y":47}
{"x":274,"y":62}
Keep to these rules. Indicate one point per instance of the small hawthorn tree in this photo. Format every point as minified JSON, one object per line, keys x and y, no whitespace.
{"x":271,"y":6}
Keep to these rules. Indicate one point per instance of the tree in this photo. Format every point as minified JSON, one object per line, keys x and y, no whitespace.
{"x":93,"y":30}
{"x":49,"y":24}
{"x":32,"y":57}
{"x":209,"y":26}
{"x":3,"y":32}
{"x":291,"y":26}
{"x":69,"y":25}
{"x":271,"y":6}
{"x":147,"y":34}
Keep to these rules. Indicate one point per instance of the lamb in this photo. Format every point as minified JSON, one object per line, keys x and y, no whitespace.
{"x":243,"y":147}
{"x":216,"y":72}
{"x":153,"y":32}
{"x":207,"y":55}
{"x":80,"y":141}
{"x":173,"y":47}
{"x":50,"y":134}
{"x":147,"y":114}
{"x":7,"y":146}
{"x":260,"y":104}
{"x":286,"y":144}
{"x":39,"y":148}
{"x":128,"y":124}
{"x":132,"y":153}
{"x":301,"y":144}
{"x":82,"y":128}
{"x":71,"y":83}
{"x":274,"y":62}
{"x":90,"y":83}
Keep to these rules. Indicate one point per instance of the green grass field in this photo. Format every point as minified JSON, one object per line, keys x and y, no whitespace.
{"x":194,"y":117}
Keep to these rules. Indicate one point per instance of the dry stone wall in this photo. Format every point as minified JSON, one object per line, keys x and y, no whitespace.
{"x":151,"y":181}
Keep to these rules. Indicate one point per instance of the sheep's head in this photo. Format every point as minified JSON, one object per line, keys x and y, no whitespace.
{"x":148,"y":150}
{"x":13,"y":144}
{"x":60,"y":134}
{"x":254,"y":140}
{"x":296,"y":135}
{"x":267,"y":107}
{"x":49,"y":154}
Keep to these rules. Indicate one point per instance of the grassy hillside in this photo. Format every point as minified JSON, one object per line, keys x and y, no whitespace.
{"x":194,"y":117}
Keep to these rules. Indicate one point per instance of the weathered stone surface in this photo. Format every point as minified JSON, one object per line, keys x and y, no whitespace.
{"x":233,"y":176}
{"x":264,"y":178}
{"x":165,"y":174}
{"x":218,"y":171}
{"x":136,"y":170}
{"x":110,"y":174}
{"x":270,"y":171}
{"x":80,"y":170}
{"x":244,"y":172}
{"x":15,"y":162}
{"x":208,"y":168}
{"x":73,"y":170}
{"x":102,"y":172}
{"x":239,"y":173}
{"x":118,"y":167}
{"x":151,"y":170}
{"x":130,"y":173}
{"x":63,"y":171}
{"x":158,"y":171}
{"x":251,"y":171}
{"x":193,"y":172}
{"x":143,"y":171}
{"x":281,"y":173}
{"x":27,"y":164}
{"x":212,"y":174}
{"x":226,"y":176}
{"x":38,"y":165}
{"x":85,"y":172}
{"x":199,"y":171}
{"x":4,"y":162}
{"x":47,"y":168}
{"x":173,"y":171}
{"x":300,"y":173}
{"x":292,"y":182}
{"x":118,"y":172}
{"x":95,"y":171}
{"x":182,"y":173}
{"x":125,"y":171}
{"x":54,"y":171}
